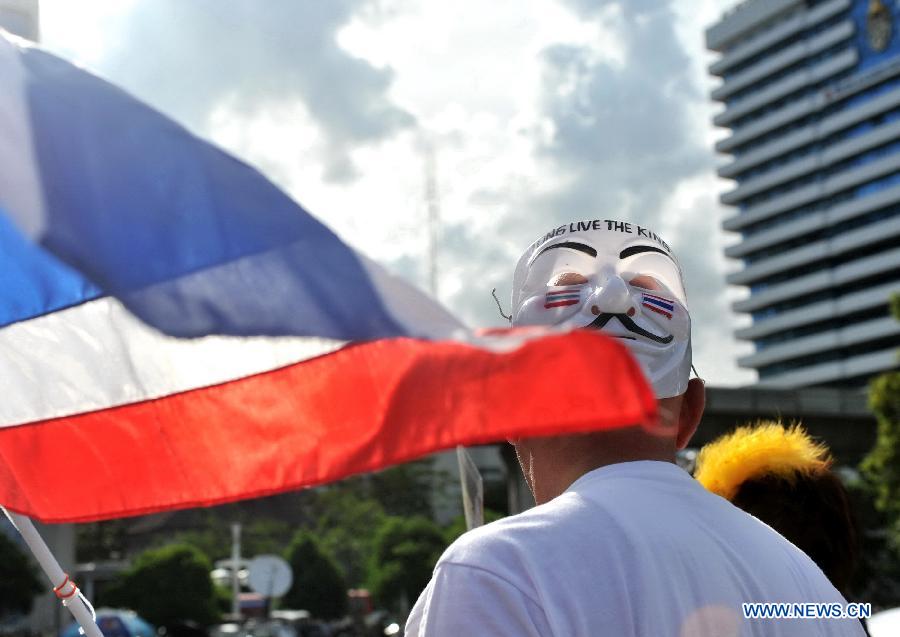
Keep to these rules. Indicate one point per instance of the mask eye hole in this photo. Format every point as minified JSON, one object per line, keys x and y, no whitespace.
{"x":646,"y":282}
{"x":569,"y":278}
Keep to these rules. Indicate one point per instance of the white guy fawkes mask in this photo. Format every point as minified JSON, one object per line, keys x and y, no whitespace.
{"x":617,"y":277}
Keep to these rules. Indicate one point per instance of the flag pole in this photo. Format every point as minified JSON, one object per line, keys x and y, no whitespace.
{"x":63,"y":587}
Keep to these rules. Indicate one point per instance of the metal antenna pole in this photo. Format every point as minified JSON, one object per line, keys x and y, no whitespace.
{"x":235,"y":570}
{"x":433,"y":207}
{"x":469,"y":475}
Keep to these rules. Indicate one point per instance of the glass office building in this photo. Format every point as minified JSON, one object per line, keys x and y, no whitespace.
{"x":811,"y":95}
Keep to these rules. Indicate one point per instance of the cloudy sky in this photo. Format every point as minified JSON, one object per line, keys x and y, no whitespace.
{"x":538,"y":112}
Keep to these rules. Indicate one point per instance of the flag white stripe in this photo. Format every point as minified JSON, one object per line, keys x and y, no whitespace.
{"x":97,"y":355}
{"x":409,"y":307}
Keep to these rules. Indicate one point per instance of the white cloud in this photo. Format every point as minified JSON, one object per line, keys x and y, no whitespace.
{"x":187,"y":58}
{"x":540,"y":110}
{"x":82,"y":31}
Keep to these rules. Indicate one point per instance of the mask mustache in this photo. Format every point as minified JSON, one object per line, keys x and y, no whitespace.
{"x":601,"y":321}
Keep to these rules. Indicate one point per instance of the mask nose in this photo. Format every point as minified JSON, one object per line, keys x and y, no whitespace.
{"x":613,"y":297}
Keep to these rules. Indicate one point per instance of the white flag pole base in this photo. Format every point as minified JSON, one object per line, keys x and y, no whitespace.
{"x":63,"y":587}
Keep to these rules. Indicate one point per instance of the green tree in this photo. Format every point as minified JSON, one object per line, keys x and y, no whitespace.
{"x":880,"y":511}
{"x":167,"y":585}
{"x":19,"y":581}
{"x":405,"y":551}
{"x":406,"y":489}
{"x":344,"y":522}
{"x":343,"y":515}
{"x":98,"y":541}
{"x":881,"y":467}
{"x":318,"y":584}
{"x":266,"y":536}
{"x":877,"y":579}
{"x":213,"y":541}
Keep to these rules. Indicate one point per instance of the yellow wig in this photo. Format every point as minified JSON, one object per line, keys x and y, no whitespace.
{"x":752,"y":452}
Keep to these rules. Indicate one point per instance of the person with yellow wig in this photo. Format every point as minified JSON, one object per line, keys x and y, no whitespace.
{"x":781,"y":476}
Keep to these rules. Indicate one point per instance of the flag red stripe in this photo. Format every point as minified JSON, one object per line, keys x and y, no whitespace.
{"x":361,"y":408}
{"x":658,"y":310}
{"x":561,"y":303}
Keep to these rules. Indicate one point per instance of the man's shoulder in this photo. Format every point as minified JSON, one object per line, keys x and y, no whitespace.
{"x":516,"y":535}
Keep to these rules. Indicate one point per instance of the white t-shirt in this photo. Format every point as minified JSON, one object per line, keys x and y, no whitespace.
{"x":638,"y":549}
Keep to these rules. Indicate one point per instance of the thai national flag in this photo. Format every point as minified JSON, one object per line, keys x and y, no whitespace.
{"x":562,"y":297}
{"x":176,"y":331}
{"x":658,"y":304}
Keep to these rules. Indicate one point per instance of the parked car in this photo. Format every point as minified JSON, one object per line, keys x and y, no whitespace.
{"x":114,"y":622}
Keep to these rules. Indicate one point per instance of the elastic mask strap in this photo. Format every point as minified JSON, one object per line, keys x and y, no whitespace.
{"x":500,"y":307}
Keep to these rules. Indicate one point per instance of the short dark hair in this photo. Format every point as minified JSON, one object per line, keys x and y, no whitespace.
{"x":812,"y":511}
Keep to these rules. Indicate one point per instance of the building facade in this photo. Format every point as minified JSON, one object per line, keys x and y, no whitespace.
{"x":811,"y":95}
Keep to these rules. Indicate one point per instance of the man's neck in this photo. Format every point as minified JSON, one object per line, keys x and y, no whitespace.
{"x":552,"y":467}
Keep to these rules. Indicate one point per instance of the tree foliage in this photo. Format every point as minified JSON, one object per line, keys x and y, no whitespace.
{"x":167,"y":585}
{"x":264,"y":536}
{"x":878,"y":574}
{"x":98,"y":541}
{"x":345,"y":524}
{"x":403,"y":490}
{"x":214,"y":540}
{"x":881,"y":467}
{"x":406,"y":489}
{"x":318,"y":585}
{"x":881,"y":472}
{"x":334,"y":552}
{"x":344,"y":516}
{"x":19,"y":581}
{"x":405,"y":551}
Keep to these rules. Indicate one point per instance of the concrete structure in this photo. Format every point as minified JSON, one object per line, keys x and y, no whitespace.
{"x":811,"y":90}
{"x":20,"y":17}
{"x":838,"y":417}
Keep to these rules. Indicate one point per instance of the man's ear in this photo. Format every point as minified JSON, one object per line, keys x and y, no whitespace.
{"x":692,"y":404}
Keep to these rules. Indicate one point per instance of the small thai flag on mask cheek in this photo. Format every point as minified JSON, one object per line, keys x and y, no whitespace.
{"x":658,"y":304}
{"x":563,"y":297}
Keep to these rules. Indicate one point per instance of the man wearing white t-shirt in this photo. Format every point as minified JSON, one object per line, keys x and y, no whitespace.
{"x":623,"y":542}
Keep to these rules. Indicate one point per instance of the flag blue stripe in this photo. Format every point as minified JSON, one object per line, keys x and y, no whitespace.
{"x":191,"y":239}
{"x":33,"y":282}
{"x":659,"y":303}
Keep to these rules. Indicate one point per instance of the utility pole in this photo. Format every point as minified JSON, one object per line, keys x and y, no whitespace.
{"x":235,"y":570}
{"x":433,"y":208}
{"x":471,"y":483}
